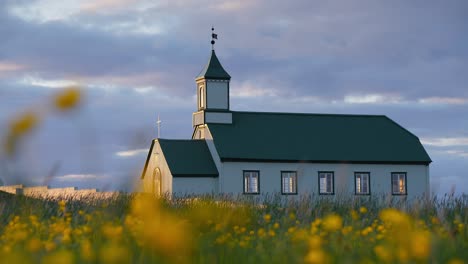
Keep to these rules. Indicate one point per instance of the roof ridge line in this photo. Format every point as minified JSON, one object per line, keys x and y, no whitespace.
{"x":316,"y":114}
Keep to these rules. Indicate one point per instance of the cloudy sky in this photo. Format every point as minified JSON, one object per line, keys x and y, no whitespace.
{"x":137,"y":59}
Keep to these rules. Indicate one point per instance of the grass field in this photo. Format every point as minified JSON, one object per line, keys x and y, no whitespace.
{"x":141,"y":229}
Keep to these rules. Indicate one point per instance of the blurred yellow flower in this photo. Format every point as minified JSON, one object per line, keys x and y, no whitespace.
{"x":24,"y":123}
{"x":261,"y":232}
{"x":354,"y":215}
{"x":68,"y":98}
{"x":60,"y":257}
{"x":401,"y":220}
{"x":34,"y":245}
{"x":267,"y":218}
{"x":271,"y":233}
{"x":19,"y":127}
{"x":455,"y":261}
{"x":383,"y":253}
{"x":114,"y":253}
{"x":315,"y":242}
{"x":420,"y":245}
{"x":316,"y":256}
{"x":86,"y":250}
{"x":363,"y":210}
{"x":112,"y":232}
{"x":332,"y":222}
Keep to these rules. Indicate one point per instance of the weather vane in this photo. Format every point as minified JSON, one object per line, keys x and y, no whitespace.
{"x":213,"y":37}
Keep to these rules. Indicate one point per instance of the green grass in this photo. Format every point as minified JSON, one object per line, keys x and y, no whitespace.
{"x":133,"y":228}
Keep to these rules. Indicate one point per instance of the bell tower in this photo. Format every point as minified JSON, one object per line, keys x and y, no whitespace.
{"x":212,"y":92}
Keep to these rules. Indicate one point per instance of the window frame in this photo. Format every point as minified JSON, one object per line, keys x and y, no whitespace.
{"x":202,"y":97}
{"x":405,"y":182}
{"x":333,"y":183}
{"x":356,"y":173}
{"x":244,"y":190}
{"x":295,"y":183}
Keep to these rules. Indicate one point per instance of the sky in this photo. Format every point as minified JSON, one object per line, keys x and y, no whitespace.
{"x":136,"y":60}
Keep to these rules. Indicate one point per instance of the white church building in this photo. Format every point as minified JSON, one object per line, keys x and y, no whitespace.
{"x":251,"y":153}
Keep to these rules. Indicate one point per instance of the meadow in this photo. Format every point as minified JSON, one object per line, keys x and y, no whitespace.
{"x":136,"y":228}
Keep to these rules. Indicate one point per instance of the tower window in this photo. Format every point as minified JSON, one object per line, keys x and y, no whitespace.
{"x":201,"y":97}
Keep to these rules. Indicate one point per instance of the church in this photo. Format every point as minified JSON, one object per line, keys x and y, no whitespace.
{"x":252,"y":153}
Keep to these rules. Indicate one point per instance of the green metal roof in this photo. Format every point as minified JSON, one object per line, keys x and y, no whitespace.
{"x":257,"y":136}
{"x":214,"y":69}
{"x":188,"y":158}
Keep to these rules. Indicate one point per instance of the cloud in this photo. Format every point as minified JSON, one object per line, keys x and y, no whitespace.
{"x":10,"y":66}
{"x":445,"y":141}
{"x":105,"y":5}
{"x":372,"y":99}
{"x":444,"y":100}
{"x":79,"y":177}
{"x":248,"y":89}
{"x":459,"y":153}
{"x":37,"y":81}
{"x":131,"y":153}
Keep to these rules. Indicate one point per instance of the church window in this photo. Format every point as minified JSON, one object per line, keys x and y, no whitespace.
{"x":156,"y":185}
{"x":399,"y":183}
{"x":288,"y":182}
{"x":362,"y":182}
{"x":326,"y":182}
{"x":251,"y":182}
{"x":201,"y":97}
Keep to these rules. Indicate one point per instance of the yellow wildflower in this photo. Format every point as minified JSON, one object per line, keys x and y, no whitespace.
{"x":61,"y":257}
{"x":271,"y":233}
{"x":354,"y":215}
{"x":114,"y":253}
{"x":332,"y":222}
{"x":401,"y":220}
{"x":261,"y":232}
{"x":420,"y":245}
{"x":383,"y":253}
{"x":455,"y":261}
{"x":34,"y":245}
{"x":86,"y":250}
{"x":67,"y":99}
{"x":24,"y":124}
{"x":363,"y":210}
{"x":315,"y":242}
{"x":316,"y":256}
{"x":267,"y":218}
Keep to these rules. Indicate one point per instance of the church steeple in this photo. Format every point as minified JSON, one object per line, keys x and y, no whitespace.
{"x":213,"y":84}
{"x":212,"y":94}
{"x":214,"y":70}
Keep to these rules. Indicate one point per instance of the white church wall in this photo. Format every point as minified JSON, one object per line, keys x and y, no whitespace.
{"x":214,"y":154}
{"x":157,"y":160}
{"x":231,"y":177}
{"x":217,"y":94}
{"x":194,"y":185}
